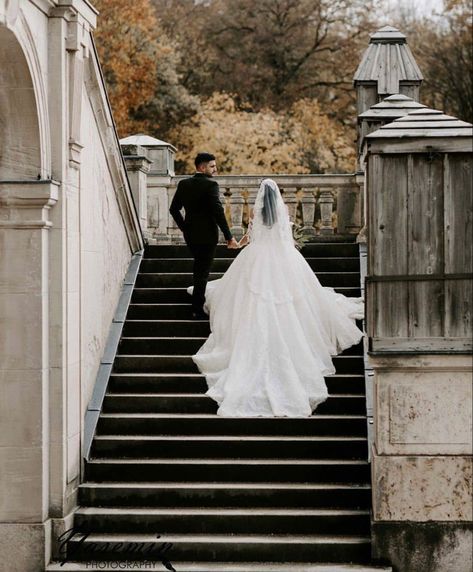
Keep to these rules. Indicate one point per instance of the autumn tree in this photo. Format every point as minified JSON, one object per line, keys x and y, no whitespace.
{"x":244,"y":141}
{"x":447,"y":58}
{"x":270,"y":53}
{"x":139,"y":64}
{"x":267,"y":85}
{"x":324,"y":144}
{"x":442,"y":45}
{"x":301,"y":139}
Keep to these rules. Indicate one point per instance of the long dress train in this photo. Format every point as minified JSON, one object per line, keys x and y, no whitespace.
{"x":274,"y":330}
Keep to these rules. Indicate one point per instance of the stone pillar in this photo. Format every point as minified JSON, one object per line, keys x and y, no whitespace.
{"x":24,"y":371}
{"x":69,"y":55}
{"x":138,"y":166}
{"x":160,"y":228}
{"x":349,"y":209}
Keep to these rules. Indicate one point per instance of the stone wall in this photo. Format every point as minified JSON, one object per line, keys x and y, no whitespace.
{"x":68,"y":229}
{"x":105,"y":252}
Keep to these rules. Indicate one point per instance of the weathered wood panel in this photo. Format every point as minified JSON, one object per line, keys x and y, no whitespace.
{"x":411,"y":90}
{"x":424,"y":132}
{"x":458,"y":242}
{"x":425,"y":245}
{"x":388,"y":239}
{"x":432,"y":297}
{"x":367,"y":95}
{"x":427,"y":345}
{"x":412,"y":145}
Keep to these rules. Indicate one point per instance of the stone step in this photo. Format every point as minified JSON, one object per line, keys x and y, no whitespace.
{"x":336,"y":546}
{"x":195,"y":383}
{"x":228,"y":470}
{"x":223,"y":521}
{"x":184,"y":279}
{"x":223,"y":446}
{"x":319,"y":249}
{"x":322,"y":264}
{"x":225,"y":548}
{"x":166,"y":328}
{"x":201,"y":403}
{"x":181,"y":345}
{"x":172,"y":424}
{"x":227,"y":495}
{"x":180,"y":295}
{"x":136,"y":363}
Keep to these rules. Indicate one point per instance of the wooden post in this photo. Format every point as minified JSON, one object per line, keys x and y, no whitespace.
{"x":419,"y":305}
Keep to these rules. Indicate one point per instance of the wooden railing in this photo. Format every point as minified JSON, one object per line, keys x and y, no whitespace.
{"x":318,"y":204}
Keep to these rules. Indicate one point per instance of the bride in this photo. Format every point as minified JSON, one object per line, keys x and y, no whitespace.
{"x":274,"y":327}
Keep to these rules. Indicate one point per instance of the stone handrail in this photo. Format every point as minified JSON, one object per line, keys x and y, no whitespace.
{"x":318,"y":204}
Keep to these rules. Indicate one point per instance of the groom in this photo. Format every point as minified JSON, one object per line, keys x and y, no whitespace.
{"x":199,"y":196}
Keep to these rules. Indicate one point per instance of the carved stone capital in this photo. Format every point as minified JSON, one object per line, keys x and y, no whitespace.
{"x":78,"y":36}
{"x":70,"y":9}
{"x":25,"y":204}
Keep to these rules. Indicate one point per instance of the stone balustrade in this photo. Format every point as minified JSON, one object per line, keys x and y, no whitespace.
{"x":317,"y":204}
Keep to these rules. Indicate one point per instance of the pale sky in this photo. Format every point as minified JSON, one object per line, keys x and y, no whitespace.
{"x":422,"y":7}
{"x":426,"y":6}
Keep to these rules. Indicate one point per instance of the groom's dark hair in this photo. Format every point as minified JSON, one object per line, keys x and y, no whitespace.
{"x":203,"y":158}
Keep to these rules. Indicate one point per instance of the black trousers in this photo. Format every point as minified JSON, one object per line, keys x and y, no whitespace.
{"x":203,"y":257}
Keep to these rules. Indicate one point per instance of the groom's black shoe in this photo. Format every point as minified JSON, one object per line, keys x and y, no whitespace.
{"x":199,"y":315}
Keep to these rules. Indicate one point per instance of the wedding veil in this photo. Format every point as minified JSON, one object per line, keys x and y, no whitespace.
{"x":271,"y":218}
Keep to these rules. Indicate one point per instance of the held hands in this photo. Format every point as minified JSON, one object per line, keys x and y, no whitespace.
{"x":244,"y":241}
{"x":233,"y":244}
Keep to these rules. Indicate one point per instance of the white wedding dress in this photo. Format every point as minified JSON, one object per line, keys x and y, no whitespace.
{"x":274,"y":327}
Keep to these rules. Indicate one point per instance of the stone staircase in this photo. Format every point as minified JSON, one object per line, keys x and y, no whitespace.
{"x":169,"y":480}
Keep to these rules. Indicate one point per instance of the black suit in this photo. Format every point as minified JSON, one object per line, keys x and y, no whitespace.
{"x":200,"y":197}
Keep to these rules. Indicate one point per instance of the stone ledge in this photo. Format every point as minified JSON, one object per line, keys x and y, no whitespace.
{"x":28,"y":193}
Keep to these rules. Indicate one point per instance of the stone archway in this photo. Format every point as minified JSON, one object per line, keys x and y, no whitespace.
{"x":20,"y":142}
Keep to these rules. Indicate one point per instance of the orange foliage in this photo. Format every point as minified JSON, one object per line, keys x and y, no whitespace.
{"x":128,"y":48}
{"x":300,"y":140}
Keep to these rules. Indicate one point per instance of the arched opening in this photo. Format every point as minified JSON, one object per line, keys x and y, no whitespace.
{"x":20,"y":149}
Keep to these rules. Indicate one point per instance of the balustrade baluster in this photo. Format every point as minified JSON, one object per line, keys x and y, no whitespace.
{"x":326,"y":201}
{"x":291,"y":200}
{"x":252,"y":192}
{"x":236,"y":212}
{"x":308,"y":213}
{"x":239,"y":194}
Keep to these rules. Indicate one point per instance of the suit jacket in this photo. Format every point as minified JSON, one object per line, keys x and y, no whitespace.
{"x":199,"y":195}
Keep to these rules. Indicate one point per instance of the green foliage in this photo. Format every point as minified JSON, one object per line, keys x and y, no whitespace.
{"x":300,"y":239}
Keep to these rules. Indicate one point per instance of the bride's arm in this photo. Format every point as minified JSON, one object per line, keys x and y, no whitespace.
{"x":246,"y":239}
